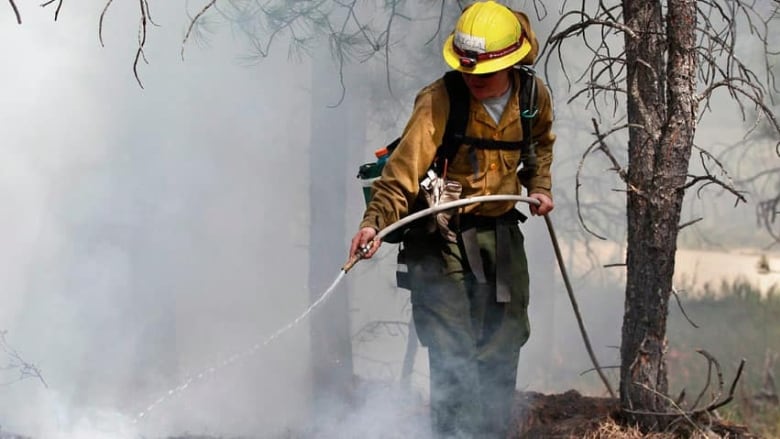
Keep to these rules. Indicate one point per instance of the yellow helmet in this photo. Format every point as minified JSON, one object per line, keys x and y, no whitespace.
{"x":487,"y":38}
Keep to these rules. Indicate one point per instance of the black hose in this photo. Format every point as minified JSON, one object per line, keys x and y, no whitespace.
{"x":575,"y":306}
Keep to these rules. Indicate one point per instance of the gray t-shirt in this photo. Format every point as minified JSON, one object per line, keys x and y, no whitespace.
{"x":495,"y":106}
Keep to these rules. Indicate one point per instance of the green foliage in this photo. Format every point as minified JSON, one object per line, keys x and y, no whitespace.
{"x":764,"y":421}
{"x":734,"y":322}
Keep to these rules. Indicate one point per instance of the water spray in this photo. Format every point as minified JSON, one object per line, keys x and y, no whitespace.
{"x":203,"y":374}
{"x":360,"y":254}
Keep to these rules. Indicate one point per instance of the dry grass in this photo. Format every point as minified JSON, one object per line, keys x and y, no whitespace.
{"x":573,"y":416}
{"x":609,"y":429}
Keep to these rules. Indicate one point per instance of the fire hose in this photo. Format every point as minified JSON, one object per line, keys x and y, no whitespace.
{"x":556,"y":247}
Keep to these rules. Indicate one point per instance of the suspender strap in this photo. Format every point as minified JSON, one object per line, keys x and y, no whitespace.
{"x":471,"y":247}
{"x":455,"y":130}
{"x":503,"y":264}
{"x":458,"y":118}
{"x":468,"y":226}
{"x":503,"y":261}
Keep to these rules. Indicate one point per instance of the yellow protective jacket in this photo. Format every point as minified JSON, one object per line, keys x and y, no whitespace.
{"x":395,"y":192}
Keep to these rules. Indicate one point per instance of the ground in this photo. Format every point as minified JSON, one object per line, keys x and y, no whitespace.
{"x":572,"y":416}
{"x":562,"y":415}
{"x":559,"y":416}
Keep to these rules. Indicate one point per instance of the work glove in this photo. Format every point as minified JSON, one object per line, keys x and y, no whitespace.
{"x":450,"y":192}
{"x":437,"y":191}
{"x":431,"y":190}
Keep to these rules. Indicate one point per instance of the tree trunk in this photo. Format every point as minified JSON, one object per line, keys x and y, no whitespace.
{"x":661,"y":108}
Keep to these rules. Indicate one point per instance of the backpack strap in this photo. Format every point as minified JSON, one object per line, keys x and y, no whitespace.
{"x":393,"y":145}
{"x":528,"y":112}
{"x":457,"y":120}
{"x":455,"y":130}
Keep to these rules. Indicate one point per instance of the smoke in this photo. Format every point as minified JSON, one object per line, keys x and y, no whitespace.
{"x":381,"y":411}
{"x":149,"y":234}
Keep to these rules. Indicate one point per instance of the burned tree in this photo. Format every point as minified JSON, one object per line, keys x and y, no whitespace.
{"x":657,"y":64}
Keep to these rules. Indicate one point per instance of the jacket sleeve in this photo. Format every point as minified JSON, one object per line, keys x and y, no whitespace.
{"x":541,"y":183}
{"x":395,"y":192}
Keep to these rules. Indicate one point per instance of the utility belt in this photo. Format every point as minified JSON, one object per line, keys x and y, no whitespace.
{"x":465,"y":227}
{"x":467,"y":221}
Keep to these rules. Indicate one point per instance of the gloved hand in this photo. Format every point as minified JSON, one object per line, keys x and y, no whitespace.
{"x":431,"y":188}
{"x":450,"y":192}
{"x":437,"y":191}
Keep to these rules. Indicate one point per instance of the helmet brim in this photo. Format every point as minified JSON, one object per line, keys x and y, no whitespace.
{"x":488,"y":66}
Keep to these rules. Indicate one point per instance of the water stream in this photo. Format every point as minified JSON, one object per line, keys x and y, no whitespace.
{"x":239,"y":355}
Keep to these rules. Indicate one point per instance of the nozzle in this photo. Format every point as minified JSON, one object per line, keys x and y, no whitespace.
{"x":361,"y":253}
{"x":351,"y":262}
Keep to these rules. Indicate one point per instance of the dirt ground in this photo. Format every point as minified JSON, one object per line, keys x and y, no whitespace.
{"x":572,"y":416}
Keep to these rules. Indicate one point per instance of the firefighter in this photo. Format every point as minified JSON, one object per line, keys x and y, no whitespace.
{"x":470,"y":294}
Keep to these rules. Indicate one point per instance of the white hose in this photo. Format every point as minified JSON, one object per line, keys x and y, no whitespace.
{"x":451,"y":205}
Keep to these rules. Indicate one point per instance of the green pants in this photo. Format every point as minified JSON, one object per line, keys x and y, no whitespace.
{"x":473,"y":340}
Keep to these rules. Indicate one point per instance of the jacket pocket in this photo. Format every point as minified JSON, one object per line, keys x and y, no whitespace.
{"x":510,"y":159}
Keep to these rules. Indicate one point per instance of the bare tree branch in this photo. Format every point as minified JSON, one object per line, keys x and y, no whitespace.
{"x":709,"y":179}
{"x":16,"y":12}
{"x":16,"y":363}
{"x":139,"y":54}
{"x":616,"y":167}
{"x":57,"y":10}
{"x":101,"y":20}
{"x":605,"y":149}
{"x":689,"y":223}
{"x":716,"y":402}
{"x":682,"y":308}
{"x":377,"y":328}
{"x":193,"y":22}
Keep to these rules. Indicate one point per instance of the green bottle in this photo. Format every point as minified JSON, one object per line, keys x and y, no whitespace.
{"x":370,"y":172}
